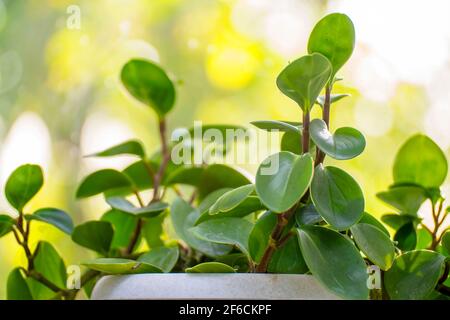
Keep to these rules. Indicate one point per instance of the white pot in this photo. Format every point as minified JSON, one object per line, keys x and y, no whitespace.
{"x":210,"y":286}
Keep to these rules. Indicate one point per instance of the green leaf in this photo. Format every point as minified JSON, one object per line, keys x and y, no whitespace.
{"x":420,"y":161}
{"x":102,"y":181}
{"x":6,"y":224}
{"x":334,"y":261}
{"x":130,"y":147}
{"x":375,"y":244}
{"x":445,"y":242}
{"x":345,"y":143}
{"x":231,"y":199}
{"x":161,"y":257}
{"x":124,"y":225}
{"x":288,"y":259}
{"x":185,"y":175}
{"x":55,"y":217}
{"x":396,"y":221}
{"x":406,"y":237}
{"x":414,"y":275}
{"x":211,"y":267}
{"x":369,"y":219}
{"x":232,"y":231}
{"x":337,"y":197}
{"x":259,"y":236}
{"x":120,"y":266}
{"x":150,"y":211}
{"x":183,"y":217}
{"x":238,"y":261}
{"x":23,"y":184}
{"x":283,"y":126}
{"x":250,"y":205}
{"x":48,"y":263}
{"x":218,"y":176}
{"x":334,"y":37}
{"x":94,"y":235}
{"x":307,"y":214}
{"x":149,"y":84}
{"x":17,"y":287}
{"x":303,"y":79}
{"x":406,"y":199}
{"x":210,"y":199}
{"x":291,"y":142}
{"x":282,"y":179}
{"x":153,"y":231}
{"x":333,"y":98}
{"x":424,"y":239}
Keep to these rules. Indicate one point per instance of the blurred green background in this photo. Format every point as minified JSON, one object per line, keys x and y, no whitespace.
{"x":60,"y":95}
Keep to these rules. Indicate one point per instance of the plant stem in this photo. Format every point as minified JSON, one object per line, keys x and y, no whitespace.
{"x":320,"y":156}
{"x":165,"y":154}
{"x":437,"y":224}
{"x":305,"y":132}
{"x":135,"y":236}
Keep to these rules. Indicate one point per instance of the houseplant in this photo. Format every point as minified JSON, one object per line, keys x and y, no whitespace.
{"x":299,"y":218}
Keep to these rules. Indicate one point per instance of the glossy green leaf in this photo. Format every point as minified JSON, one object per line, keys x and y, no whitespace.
{"x":231,"y":231}
{"x":120,"y":266}
{"x":414,"y":275}
{"x":375,"y":244}
{"x":162,"y":257}
{"x":23,"y":184}
{"x":303,"y":79}
{"x":307,"y":214}
{"x":334,"y":37}
{"x":333,"y":98}
{"x":291,"y":142}
{"x":17,"y":287}
{"x":210,"y":199}
{"x":131,"y":147}
{"x":124,"y":225}
{"x":48,"y":263}
{"x":407,"y":199}
{"x":185,"y":175}
{"x":420,"y":161}
{"x":369,"y":219}
{"x":445,"y":242}
{"x":395,"y":221}
{"x":150,"y":211}
{"x":424,"y":239}
{"x":283,"y":126}
{"x":259,"y":236}
{"x":231,"y":199}
{"x":337,"y":197}
{"x":153,"y":231}
{"x":55,"y":217}
{"x":288,"y":259}
{"x":250,"y":205}
{"x":238,"y":261}
{"x":149,"y":84}
{"x":94,"y":235}
{"x":218,"y":176}
{"x":334,"y":261}
{"x":102,"y":181}
{"x":406,"y":237}
{"x":282,"y":179}
{"x":6,"y":224}
{"x":345,"y":143}
{"x":183,"y":217}
{"x":211,"y":267}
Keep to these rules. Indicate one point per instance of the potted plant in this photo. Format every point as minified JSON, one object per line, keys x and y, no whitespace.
{"x":300,"y":231}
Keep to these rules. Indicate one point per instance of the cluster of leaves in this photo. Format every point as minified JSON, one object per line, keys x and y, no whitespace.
{"x":302,"y":218}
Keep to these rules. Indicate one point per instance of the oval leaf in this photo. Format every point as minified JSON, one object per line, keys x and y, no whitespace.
{"x":406,"y":199}
{"x":23,"y":184}
{"x":375,"y":244}
{"x":369,"y":219}
{"x":124,"y":225}
{"x":406,"y":237}
{"x":150,"y":211}
{"x":307,"y":214}
{"x":283,"y":126}
{"x":162,"y":257}
{"x":94,"y":235}
{"x":231,"y":199}
{"x":303,"y":79}
{"x":420,"y":161}
{"x":334,"y":261}
{"x":55,"y":217}
{"x":334,"y":37}
{"x":337,"y":197}
{"x":345,"y":143}
{"x":211,"y":267}
{"x":288,"y":259}
{"x":6,"y":224}
{"x":102,"y":181}
{"x":149,"y":84}
{"x":120,"y":266}
{"x":446,"y":241}
{"x":131,"y":147}
{"x":17,"y":287}
{"x":282,"y":179}
{"x":414,"y":275}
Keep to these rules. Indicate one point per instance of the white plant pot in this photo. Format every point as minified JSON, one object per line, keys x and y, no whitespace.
{"x":239,"y":286}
